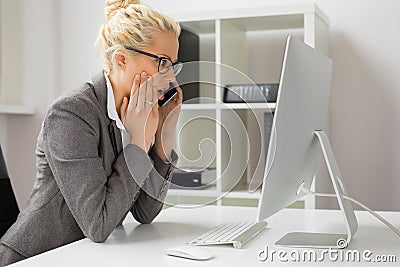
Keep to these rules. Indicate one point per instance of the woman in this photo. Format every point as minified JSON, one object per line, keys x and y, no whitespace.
{"x":106,"y":148}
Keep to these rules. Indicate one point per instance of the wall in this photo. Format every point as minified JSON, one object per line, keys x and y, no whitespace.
{"x":10,"y":28}
{"x":364,"y":115}
{"x":29,"y":30}
{"x":10,"y":32}
{"x":79,"y":25}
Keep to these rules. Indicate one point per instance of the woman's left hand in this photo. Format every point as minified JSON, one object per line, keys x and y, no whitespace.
{"x":168,"y":119}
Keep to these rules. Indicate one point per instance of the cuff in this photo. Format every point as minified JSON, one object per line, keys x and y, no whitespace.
{"x":165,"y":169}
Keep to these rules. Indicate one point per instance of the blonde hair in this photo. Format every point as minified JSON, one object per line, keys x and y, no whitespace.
{"x":130,"y":23}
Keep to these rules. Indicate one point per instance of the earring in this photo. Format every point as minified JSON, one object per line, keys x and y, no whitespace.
{"x":120,"y":65}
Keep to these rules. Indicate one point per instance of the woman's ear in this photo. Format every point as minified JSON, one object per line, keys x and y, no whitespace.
{"x":119,"y":61}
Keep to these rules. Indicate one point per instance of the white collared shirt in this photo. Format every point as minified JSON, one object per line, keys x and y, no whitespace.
{"x":113,"y":115}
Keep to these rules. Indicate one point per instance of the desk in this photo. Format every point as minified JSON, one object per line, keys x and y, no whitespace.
{"x":142,"y":245}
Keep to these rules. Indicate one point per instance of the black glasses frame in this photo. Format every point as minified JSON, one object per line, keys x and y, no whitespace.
{"x":176,"y":67}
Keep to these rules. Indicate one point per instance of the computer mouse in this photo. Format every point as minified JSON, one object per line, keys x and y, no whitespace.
{"x":189,"y":252}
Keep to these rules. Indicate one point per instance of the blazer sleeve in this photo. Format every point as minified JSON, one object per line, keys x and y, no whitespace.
{"x":150,"y":200}
{"x":97,"y":202}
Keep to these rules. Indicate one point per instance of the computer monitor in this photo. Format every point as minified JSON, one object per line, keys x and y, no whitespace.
{"x":296,"y":140}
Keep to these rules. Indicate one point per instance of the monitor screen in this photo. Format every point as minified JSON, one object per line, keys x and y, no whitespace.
{"x":302,"y":108}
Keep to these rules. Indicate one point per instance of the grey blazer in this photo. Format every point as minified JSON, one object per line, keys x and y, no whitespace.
{"x":83,"y":188}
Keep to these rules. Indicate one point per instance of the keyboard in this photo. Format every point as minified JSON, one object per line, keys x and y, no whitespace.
{"x":236,"y":234}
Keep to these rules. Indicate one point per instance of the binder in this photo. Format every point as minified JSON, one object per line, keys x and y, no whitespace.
{"x":251,"y":93}
{"x":193,"y":178}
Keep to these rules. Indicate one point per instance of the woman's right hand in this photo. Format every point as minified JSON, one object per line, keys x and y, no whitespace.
{"x":140,"y":114}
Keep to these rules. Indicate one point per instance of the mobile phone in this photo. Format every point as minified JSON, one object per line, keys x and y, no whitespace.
{"x":168,"y":95}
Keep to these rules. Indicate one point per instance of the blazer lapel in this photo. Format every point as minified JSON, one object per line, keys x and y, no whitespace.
{"x":118,"y":136}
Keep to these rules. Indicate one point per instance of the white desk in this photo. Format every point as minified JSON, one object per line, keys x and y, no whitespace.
{"x":143,"y":245}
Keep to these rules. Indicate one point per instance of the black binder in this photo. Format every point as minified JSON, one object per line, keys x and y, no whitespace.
{"x":251,"y":93}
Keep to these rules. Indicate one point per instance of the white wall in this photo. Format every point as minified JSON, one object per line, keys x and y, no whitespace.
{"x":29,"y":30}
{"x":10,"y":27}
{"x":79,"y":25}
{"x":57,"y":54}
{"x":365,"y":118}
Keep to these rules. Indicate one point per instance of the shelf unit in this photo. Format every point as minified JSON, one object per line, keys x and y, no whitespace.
{"x":228,"y":136}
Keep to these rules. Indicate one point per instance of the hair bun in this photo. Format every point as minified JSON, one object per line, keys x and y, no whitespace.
{"x":113,"y":5}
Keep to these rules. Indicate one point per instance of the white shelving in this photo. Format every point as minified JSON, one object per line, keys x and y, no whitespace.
{"x":252,"y":42}
{"x":262,"y":106}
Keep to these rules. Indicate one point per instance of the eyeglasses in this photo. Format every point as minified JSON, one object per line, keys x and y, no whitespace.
{"x":164,"y":64}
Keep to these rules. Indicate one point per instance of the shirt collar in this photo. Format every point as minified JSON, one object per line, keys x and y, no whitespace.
{"x":111,"y":108}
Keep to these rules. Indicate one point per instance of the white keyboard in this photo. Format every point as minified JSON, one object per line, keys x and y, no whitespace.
{"x":236,"y":234}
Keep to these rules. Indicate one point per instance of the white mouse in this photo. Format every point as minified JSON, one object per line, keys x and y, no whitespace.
{"x":189,"y":252}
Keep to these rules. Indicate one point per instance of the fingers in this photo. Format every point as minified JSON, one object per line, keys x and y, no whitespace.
{"x":134,"y":90}
{"x":142,"y":91}
{"x":149,"y":92}
{"x":155,"y":95}
{"x":179,"y":96}
{"x":124,"y":107}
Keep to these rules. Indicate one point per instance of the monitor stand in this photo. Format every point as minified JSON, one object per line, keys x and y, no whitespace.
{"x":327,"y":240}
